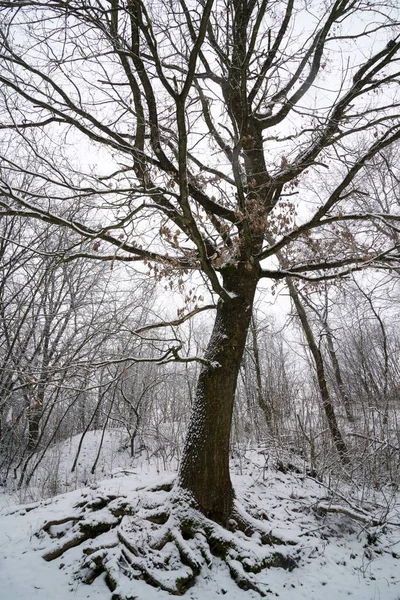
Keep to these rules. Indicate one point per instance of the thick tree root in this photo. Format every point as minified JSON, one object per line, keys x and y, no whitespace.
{"x":164,"y":541}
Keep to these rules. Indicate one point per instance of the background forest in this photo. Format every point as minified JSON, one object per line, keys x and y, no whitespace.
{"x":65,"y":326}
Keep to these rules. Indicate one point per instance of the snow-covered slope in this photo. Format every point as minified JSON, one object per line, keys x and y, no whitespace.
{"x":106,"y":451}
{"x":341,"y":555}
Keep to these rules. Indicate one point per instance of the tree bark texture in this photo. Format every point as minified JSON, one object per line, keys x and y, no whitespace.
{"x":204,"y":470}
{"x":34,"y":417}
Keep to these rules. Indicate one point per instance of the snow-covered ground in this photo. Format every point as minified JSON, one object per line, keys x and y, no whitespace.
{"x":340,"y":556}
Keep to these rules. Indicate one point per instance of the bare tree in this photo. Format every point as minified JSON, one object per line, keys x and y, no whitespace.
{"x":211,"y":141}
{"x":320,"y":305}
{"x":318,"y":361}
{"x":58,"y":319}
{"x":268,"y":383}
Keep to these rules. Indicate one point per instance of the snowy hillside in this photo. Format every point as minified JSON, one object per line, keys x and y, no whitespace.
{"x":343,"y":549}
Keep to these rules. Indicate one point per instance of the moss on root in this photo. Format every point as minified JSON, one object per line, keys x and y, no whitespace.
{"x":164,"y":541}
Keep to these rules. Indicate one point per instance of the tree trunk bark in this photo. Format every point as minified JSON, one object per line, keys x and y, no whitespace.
{"x":34,"y":417}
{"x":35,"y":412}
{"x":204,"y":470}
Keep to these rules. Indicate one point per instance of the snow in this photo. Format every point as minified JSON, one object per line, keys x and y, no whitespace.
{"x":339,"y":556}
{"x":54,"y":475}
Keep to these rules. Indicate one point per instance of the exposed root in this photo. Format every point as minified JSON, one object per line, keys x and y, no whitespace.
{"x":164,"y":541}
{"x":95,"y":516}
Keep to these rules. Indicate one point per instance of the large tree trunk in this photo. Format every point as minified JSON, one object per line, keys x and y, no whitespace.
{"x":204,"y":470}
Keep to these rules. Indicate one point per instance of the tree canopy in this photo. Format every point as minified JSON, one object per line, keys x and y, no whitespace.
{"x":227,"y":138}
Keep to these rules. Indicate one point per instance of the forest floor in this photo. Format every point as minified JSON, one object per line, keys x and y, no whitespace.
{"x":348,"y":539}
